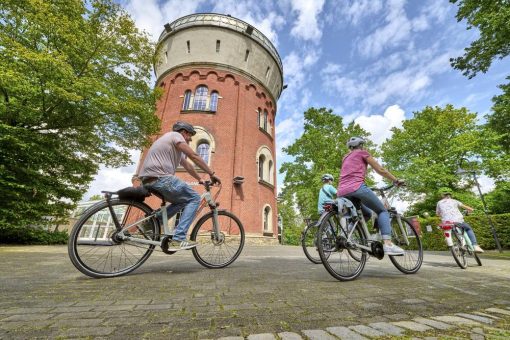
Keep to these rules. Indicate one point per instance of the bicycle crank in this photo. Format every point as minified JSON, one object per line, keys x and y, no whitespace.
{"x":377,"y":250}
{"x":164,"y":245}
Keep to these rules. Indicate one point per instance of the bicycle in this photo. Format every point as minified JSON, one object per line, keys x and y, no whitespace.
{"x":116,"y":236}
{"x":459,"y":243}
{"x":348,"y":243}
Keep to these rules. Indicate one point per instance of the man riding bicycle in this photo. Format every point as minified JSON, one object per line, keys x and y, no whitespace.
{"x":158,"y":172}
{"x":448,"y":210}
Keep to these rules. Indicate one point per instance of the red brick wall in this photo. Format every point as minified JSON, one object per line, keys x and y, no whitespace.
{"x":237,"y":137}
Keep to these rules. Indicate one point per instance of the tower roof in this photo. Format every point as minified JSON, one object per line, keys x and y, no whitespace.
{"x":225,"y":21}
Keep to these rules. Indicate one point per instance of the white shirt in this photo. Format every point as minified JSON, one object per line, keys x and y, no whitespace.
{"x":448,"y":209}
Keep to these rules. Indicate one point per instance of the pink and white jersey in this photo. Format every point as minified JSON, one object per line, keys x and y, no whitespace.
{"x":448,"y":209}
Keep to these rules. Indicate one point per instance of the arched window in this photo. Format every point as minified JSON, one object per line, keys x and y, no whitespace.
{"x":265,"y":121}
{"x":267,"y":212}
{"x":270,"y":172}
{"x":187,"y":100}
{"x":203,"y":150}
{"x":213,"y":106}
{"x":200,"y":100}
{"x":262,"y":158}
{"x":259,"y":117}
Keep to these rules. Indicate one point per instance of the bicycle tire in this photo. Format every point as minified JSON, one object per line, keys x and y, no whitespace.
{"x":309,"y":243}
{"x":477,"y":259}
{"x":411,"y":261}
{"x":334,"y":250}
{"x":218,"y":254}
{"x":96,"y":252}
{"x":459,"y":255}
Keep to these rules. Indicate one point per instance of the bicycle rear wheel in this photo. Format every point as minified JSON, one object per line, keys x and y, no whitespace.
{"x":96,"y":251}
{"x":309,"y":243}
{"x":458,"y":252}
{"x":411,"y":261}
{"x":218,"y":253}
{"x":343,"y":260}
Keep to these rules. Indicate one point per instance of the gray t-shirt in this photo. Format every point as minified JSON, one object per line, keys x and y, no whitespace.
{"x":163,"y":156}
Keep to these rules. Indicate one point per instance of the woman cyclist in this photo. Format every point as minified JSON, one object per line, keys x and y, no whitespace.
{"x":352,"y":185}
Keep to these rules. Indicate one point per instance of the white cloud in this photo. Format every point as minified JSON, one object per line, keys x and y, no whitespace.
{"x":113,"y":179}
{"x":402,"y":77}
{"x":355,"y":11}
{"x":151,"y":15}
{"x":306,"y":26}
{"x":380,"y":125}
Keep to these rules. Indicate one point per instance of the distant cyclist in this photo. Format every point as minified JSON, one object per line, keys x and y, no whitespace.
{"x":158,"y":172}
{"x":448,"y":209}
{"x":352,"y":185}
{"x":327,"y":192}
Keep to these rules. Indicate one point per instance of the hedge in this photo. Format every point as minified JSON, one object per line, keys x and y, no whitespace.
{"x":31,"y":235}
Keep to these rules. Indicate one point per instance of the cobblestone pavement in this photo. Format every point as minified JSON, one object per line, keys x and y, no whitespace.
{"x":270,"y":292}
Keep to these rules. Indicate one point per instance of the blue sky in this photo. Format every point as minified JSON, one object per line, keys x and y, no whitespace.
{"x":372,"y":61}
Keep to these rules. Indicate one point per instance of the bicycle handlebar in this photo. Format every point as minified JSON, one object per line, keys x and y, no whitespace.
{"x":386,"y":188}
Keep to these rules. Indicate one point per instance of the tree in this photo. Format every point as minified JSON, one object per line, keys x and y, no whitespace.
{"x":491,"y":17}
{"x":319,"y":150}
{"x":430,"y":147}
{"x":74,"y":92}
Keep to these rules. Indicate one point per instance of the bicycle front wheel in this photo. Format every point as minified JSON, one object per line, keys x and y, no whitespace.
{"x":404,"y":235}
{"x":457,"y":250}
{"x":340,"y":256}
{"x":95,"y":248}
{"x":477,"y":259}
{"x":218,"y":252}
{"x":309,"y":243}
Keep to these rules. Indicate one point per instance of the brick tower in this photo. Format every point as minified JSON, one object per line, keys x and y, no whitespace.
{"x":224,"y":77}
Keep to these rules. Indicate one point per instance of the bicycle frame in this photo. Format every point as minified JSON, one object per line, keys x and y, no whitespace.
{"x":205,"y":198}
{"x":448,"y":228}
{"x":393,"y":214}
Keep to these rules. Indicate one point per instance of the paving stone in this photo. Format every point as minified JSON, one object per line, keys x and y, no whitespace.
{"x":153,"y":307}
{"x":85,"y":315}
{"x":289,"y":336}
{"x":28,"y":317}
{"x":262,"y":336}
{"x":345,"y":333}
{"x":73,"y":309}
{"x":79,"y":322}
{"x":498,"y":311}
{"x":413,"y":326}
{"x":317,"y":334}
{"x":114,"y":307}
{"x":487,"y":315}
{"x":413,"y":301}
{"x":22,"y":324}
{"x":24,"y":310}
{"x":86,"y":331}
{"x":455,"y":320}
{"x":475,"y":317}
{"x":387,"y":328}
{"x":231,"y":338}
{"x":365,"y":330}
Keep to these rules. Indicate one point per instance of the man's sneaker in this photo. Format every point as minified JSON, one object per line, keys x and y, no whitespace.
{"x":478,"y":249}
{"x":175,"y":245}
{"x":393,"y":250}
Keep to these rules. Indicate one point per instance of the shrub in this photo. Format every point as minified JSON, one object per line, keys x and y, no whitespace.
{"x":31,"y":235}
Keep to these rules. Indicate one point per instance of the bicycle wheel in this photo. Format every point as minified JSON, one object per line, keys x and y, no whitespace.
{"x":411,"y":261}
{"x":96,"y":251}
{"x":343,"y":260}
{"x":309,"y":243}
{"x":219,"y":253}
{"x":459,"y":255}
